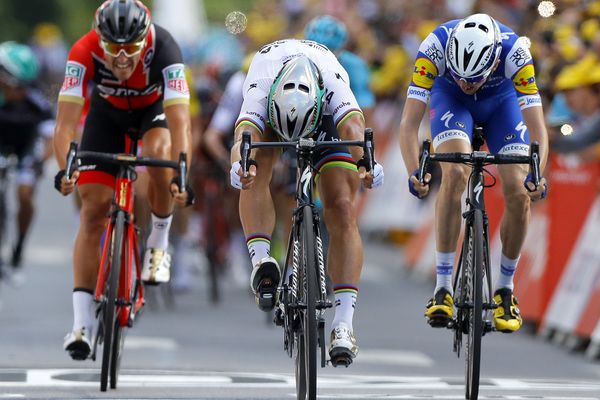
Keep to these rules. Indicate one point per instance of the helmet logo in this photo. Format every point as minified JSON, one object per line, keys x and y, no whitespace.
{"x":293,"y":110}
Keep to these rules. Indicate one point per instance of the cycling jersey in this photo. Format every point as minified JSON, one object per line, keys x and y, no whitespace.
{"x":24,"y":125}
{"x":495,"y":106}
{"x":158,"y":75}
{"x":340,"y":102}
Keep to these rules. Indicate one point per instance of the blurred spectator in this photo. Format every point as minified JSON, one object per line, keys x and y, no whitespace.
{"x":51,"y":51}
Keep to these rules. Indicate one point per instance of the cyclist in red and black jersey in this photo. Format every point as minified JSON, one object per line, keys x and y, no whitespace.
{"x":139,"y":85}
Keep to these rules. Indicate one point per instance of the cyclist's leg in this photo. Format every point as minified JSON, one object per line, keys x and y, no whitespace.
{"x":157,"y":144}
{"x":451,"y":131}
{"x":95,"y":188}
{"x":26,"y":180}
{"x":338,"y":184}
{"x":508,"y":135}
{"x":257,"y":214}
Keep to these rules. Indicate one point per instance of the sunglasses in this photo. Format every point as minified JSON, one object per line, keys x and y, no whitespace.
{"x":473,"y":80}
{"x":115,"y":49}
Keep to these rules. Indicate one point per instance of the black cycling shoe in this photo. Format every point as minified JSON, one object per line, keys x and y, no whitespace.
{"x":264,"y":282}
{"x":438,"y":310}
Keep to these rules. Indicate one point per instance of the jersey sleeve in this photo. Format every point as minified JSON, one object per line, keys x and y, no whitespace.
{"x":429,"y":64}
{"x":78,"y":72}
{"x":518,"y":67}
{"x":170,"y":62}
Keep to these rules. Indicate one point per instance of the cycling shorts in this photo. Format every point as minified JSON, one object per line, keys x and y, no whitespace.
{"x":106,"y":130}
{"x":453,"y":116}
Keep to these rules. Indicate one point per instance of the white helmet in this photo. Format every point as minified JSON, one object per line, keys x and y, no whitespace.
{"x":473,"y":48}
{"x":295,"y":101}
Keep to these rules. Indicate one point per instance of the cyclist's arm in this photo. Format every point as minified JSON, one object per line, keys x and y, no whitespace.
{"x":534,"y":120}
{"x":67,"y":119}
{"x":179,"y":122}
{"x":353,"y":128}
{"x":235,"y":149}
{"x":409,"y":133}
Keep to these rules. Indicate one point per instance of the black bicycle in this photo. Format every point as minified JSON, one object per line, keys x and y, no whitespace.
{"x":302,"y":293}
{"x":473,"y":282}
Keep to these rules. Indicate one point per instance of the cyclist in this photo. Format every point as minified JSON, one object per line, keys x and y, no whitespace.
{"x":26,"y":123}
{"x":134,"y":64}
{"x":297,"y":88}
{"x":475,"y":71}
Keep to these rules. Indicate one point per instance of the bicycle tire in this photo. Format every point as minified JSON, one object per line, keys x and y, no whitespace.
{"x":475,"y":315}
{"x":310,"y":316}
{"x":111,"y":295}
{"x":117,"y":347}
{"x":3,"y":213}
{"x":300,"y":365}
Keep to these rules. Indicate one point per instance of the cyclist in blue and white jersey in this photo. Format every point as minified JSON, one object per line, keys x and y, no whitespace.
{"x":476,"y":71}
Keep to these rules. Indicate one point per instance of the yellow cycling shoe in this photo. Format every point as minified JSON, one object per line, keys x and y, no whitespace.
{"x":507,"y":316}
{"x":439,"y":309}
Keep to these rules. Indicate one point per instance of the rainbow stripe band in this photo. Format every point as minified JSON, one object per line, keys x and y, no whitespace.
{"x":248,"y":122}
{"x":348,"y":114}
{"x":259,"y":237}
{"x":336,"y":160}
{"x":345,"y":289}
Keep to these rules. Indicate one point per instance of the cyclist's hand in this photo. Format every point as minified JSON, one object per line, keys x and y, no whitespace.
{"x":237,"y":178}
{"x":536,"y":194}
{"x":63,"y":185}
{"x":371,"y":181}
{"x":416,"y":188}
{"x":182,"y":199}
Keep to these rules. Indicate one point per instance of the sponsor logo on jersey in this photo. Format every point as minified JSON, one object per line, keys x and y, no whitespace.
{"x":176,"y":79}
{"x":524,"y":80}
{"x":340,"y":106}
{"x":73,"y":75}
{"x":418,"y":93}
{"x":449,"y":135}
{"x":519,"y":57}
{"x":530,"y":101}
{"x":106,"y":91}
{"x":509,"y":137}
{"x":434,"y":53}
{"x":515,"y":148}
{"x":424,"y":73}
{"x":461,"y":125}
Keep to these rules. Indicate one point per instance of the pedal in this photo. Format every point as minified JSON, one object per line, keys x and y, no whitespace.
{"x":266,"y":298}
{"x":439,"y":322}
{"x":340,"y":357}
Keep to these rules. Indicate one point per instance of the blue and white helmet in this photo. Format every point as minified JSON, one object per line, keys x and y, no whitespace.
{"x":473,"y":48}
{"x":328,"y":31}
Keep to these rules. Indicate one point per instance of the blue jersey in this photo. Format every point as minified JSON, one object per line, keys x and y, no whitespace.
{"x":515,"y":71}
{"x":360,"y":77}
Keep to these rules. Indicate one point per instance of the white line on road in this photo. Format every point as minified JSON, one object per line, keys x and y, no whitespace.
{"x":395,"y":357}
{"x":155,"y":343}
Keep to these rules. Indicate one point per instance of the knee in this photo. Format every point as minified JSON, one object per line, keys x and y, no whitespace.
{"x":454,"y":180}
{"x":93,"y":216}
{"x":517,"y":202}
{"x":340,"y":213}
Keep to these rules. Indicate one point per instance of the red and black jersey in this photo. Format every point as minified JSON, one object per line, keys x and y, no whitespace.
{"x":158,"y":75}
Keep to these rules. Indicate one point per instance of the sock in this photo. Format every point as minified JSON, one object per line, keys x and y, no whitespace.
{"x":159,"y":235}
{"x":345,"y":303}
{"x":444,"y":265}
{"x":259,"y":247}
{"x":507,"y":272}
{"x":82,"y":309}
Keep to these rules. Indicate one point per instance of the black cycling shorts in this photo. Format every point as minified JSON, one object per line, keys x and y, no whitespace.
{"x":106,"y":130}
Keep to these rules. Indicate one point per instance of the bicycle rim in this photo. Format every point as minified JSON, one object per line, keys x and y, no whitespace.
{"x":110,"y":293}
{"x":475,"y":314}
{"x":117,"y":347}
{"x":310,"y":290}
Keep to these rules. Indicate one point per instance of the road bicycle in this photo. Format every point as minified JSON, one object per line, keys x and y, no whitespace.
{"x":302,"y":294}
{"x":8,"y":161}
{"x":473,"y":300}
{"x":119,"y":293}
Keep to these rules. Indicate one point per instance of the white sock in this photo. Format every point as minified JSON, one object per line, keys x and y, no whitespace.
{"x":508,"y":267}
{"x":345,"y":303}
{"x":444,"y":265}
{"x":82,"y":309}
{"x":159,"y":235}
{"x":259,"y":247}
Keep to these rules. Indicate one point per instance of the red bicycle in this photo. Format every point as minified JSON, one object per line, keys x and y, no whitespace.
{"x":119,"y":293}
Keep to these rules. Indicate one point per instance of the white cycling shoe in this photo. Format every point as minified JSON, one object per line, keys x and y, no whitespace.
{"x":264,"y":281}
{"x":343,"y":348}
{"x":157,"y":266}
{"x":78,"y":344}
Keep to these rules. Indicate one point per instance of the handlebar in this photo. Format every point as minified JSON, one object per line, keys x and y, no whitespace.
{"x":127,"y":160}
{"x":367,"y":144}
{"x":481,"y":157}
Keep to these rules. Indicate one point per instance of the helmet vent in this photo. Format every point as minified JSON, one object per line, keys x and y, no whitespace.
{"x":288,"y":86}
{"x":483,"y":28}
{"x":303,"y":88}
{"x":470,"y":25}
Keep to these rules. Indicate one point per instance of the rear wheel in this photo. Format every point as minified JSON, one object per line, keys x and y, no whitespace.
{"x":110,"y":293}
{"x":300,"y":368}
{"x":474,"y":273}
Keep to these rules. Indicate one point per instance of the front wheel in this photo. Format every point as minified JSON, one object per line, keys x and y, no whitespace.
{"x":474,"y":273}
{"x":310,"y":296}
{"x":110,"y":293}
